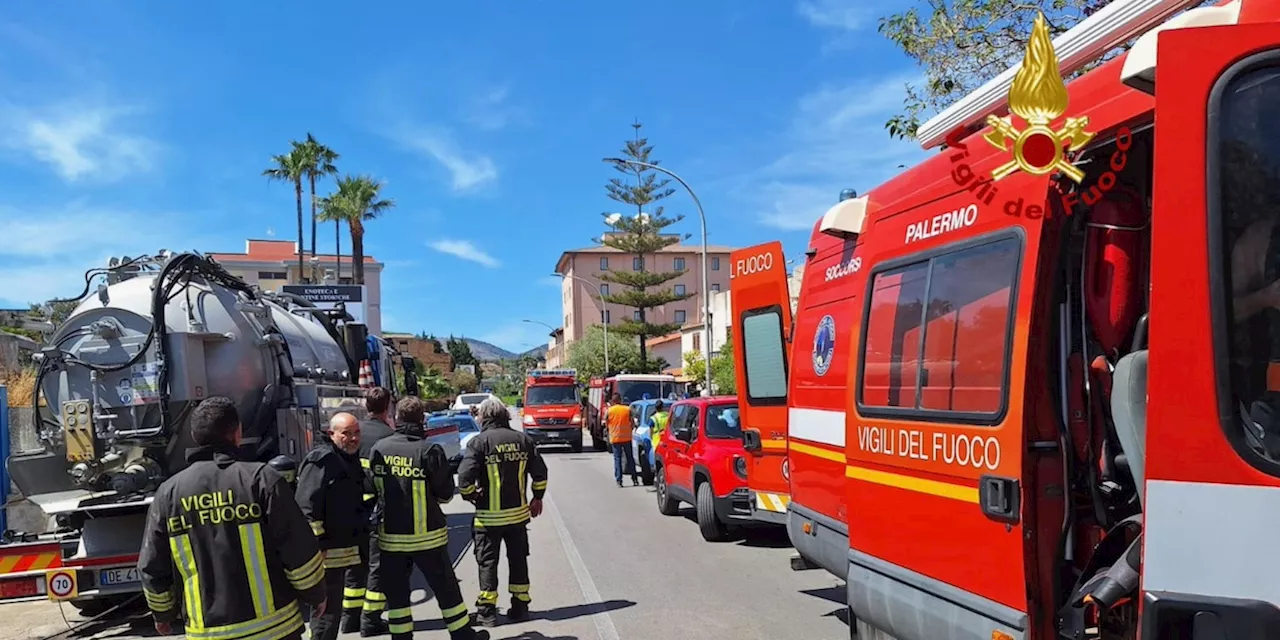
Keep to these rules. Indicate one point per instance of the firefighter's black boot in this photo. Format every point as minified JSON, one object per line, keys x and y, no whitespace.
{"x":486,"y":616}
{"x":350,"y":622}
{"x":518,"y":612}
{"x":372,"y":626}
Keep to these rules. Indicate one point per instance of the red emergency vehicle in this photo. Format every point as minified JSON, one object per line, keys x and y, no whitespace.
{"x":795,"y":377}
{"x":632,"y":387}
{"x":552,"y":408}
{"x":1002,"y":371}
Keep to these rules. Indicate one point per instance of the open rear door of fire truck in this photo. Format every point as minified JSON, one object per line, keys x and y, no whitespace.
{"x":761,"y":308}
{"x":1210,"y":397}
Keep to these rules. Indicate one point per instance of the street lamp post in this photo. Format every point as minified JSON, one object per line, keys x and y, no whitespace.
{"x":553,"y":329}
{"x":706,"y":288}
{"x":604,"y":318}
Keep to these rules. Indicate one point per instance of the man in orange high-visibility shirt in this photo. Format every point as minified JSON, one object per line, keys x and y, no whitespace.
{"x":618,"y":419}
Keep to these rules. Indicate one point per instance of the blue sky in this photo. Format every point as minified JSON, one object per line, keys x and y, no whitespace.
{"x":127,"y":127}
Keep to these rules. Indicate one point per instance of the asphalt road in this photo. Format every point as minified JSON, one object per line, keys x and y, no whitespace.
{"x":605,"y":565}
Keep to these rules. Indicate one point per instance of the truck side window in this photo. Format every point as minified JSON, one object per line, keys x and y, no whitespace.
{"x":938,"y":334}
{"x":1243,"y":191}
{"x":764,"y":356}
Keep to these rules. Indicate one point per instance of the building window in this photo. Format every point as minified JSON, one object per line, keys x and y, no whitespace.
{"x":272,"y":275}
{"x":715,"y":288}
{"x":697,"y":342}
{"x":344,"y":281}
{"x":715,"y":263}
{"x":937,"y":333}
{"x":763,"y":356}
{"x":637,"y":264}
{"x":604,"y":263}
{"x":566,"y":321}
{"x":679,"y":289}
{"x":608,"y":316}
{"x":680,"y":314}
{"x":604,"y":289}
{"x":635,"y":315}
{"x":679,"y":264}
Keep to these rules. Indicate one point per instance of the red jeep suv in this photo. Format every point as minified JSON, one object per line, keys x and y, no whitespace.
{"x":700,"y":460}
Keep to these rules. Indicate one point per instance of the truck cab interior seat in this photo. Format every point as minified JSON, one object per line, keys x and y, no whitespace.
{"x":1129,"y":412}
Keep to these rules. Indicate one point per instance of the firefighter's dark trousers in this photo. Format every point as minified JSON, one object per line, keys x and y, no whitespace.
{"x":488,"y":545}
{"x":325,"y":627}
{"x":438,"y":570}
{"x":361,"y":594}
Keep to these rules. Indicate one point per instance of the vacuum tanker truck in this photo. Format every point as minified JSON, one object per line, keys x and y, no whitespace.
{"x":118,"y":380}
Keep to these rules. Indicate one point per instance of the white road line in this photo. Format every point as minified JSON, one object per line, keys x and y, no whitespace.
{"x":599,"y":615}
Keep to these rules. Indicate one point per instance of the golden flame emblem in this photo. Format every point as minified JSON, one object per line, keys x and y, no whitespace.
{"x":1039,"y":96}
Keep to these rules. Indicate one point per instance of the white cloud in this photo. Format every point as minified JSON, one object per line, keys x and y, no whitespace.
{"x":552,"y":281}
{"x":465,"y":250}
{"x":842,"y":15}
{"x":468,"y":170}
{"x":836,"y":141}
{"x":46,"y":252}
{"x":490,"y":111}
{"x":79,"y":140}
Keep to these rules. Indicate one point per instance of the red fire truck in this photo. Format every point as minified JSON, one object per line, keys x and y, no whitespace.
{"x":552,"y":408}
{"x":1000,"y":367}
{"x":632,"y":387}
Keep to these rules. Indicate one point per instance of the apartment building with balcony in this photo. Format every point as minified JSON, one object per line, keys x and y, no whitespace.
{"x":271,"y":264}
{"x":581,"y":304}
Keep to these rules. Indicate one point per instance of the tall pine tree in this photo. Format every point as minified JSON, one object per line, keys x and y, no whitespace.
{"x":641,"y":235}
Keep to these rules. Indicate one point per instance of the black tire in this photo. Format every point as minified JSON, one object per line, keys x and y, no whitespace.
{"x":598,"y":444}
{"x":576,"y":447}
{"x":712,"y":529}
{"x":667,"y":505}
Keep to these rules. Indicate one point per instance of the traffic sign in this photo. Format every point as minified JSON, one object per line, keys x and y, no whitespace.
{"x":62,"y":584}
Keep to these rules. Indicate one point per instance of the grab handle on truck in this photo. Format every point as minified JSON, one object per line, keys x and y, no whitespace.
{"x":751,"y":441}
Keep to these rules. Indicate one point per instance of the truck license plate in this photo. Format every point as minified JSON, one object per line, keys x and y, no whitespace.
{"x":112,"y":577}
{"x":553,"y":434}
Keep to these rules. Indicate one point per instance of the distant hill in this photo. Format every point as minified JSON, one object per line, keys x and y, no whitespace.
{"x":485,"y":352}
{"x":538,"y":352}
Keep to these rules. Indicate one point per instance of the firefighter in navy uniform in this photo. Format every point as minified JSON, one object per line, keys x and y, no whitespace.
{"x":226,"y":544}
{"x":330,"y":485}
{"x":412,"y":479}
{"x":363,"y":601}
{"x":494,"y":475}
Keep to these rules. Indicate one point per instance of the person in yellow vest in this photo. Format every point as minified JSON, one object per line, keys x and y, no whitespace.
{"x":657,"y":424}
{"x":618,"y":419}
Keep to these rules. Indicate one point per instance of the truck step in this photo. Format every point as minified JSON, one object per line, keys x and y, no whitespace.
{"x":801,"y":563}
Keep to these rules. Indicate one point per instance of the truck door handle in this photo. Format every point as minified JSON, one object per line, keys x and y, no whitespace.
{"x":751,"y":440}
{"x":1000,"y":498}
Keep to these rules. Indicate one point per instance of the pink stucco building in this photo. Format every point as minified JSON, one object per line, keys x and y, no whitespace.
{"x":581,"y":303}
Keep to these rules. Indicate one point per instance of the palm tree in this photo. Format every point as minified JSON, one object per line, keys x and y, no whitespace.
{"x":357,"y":200}
{"x":320,"y":161}
{"x":291,"y":167}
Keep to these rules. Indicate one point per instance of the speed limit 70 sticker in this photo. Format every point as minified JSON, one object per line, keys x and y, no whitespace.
{"x":61,"y":584}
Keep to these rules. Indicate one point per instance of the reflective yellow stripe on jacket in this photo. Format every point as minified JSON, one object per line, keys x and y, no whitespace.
{"x":501,"y":517}
{"x":268,"y":622}
{"x":423,"y":537}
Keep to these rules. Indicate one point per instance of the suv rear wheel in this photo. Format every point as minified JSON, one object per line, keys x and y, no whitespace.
{"x":667,"y":505}
{"x":712,"y":529}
